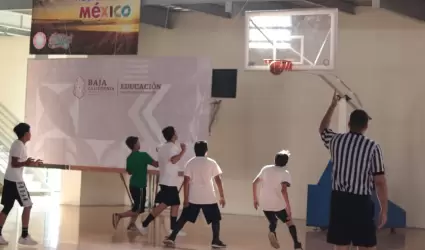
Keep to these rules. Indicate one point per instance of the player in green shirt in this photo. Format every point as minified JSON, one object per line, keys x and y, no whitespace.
{"x":137,"y":167}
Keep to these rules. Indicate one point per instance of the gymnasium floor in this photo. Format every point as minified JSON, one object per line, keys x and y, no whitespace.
{"x":89,"y":228}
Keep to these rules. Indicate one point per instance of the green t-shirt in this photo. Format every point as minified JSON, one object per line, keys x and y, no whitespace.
{"x":137,"y":166}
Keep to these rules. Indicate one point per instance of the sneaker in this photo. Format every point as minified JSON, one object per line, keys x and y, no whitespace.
{"x":218,"y":244}
{"x":3,"y":242}
{"x":28,"y":241}
{"x":273,"y":240}
{"x":143,"y":230}
{"x":180,"y":234}
{"x":132,"y":228}
{"x":168,"y":242}
{"x":298,"y":246}
{"x":115,"y":220}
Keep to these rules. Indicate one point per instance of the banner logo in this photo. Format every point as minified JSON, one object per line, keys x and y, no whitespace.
{"x":137,"y":88}
{"x":58,"y":40}
{"x":39,"y":40}
{"x":99,"y":86}
{"x":79,"y":88}
{"x":112,"y":11}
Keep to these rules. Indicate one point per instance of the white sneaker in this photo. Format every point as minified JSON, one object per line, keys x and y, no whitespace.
{"x":3,"y":242}
{"x":28,"y":241}
{"x":180,"y":234}
{"x":273,"y":240}
{"x":143,"y":230}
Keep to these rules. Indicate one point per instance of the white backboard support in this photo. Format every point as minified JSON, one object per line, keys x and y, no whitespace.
{"x":308,"y":38}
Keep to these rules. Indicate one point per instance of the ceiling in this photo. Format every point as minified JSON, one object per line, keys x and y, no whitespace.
{"x":161,"y":12}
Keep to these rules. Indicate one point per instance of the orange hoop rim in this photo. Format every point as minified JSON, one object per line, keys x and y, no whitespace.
{"x":286,"y":65}
{"x":269,"y":61}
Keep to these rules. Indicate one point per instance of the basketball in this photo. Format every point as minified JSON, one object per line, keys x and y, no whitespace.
{"x":276,"y":67}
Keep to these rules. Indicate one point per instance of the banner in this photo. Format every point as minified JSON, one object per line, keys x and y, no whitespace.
{"x":82,"y":110}
{"x":85,"y":27}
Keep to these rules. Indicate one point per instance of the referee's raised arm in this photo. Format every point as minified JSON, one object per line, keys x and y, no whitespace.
{"x":326,"y":133}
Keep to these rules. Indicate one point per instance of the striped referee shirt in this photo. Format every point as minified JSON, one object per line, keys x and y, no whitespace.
{"x":355,"y":160}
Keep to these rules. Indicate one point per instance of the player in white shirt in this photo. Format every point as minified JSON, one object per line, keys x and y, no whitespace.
{"x":14,"y":188}
{"x":169,"y":155}
{"x":274,"y":181}
{"x":199,"y":194}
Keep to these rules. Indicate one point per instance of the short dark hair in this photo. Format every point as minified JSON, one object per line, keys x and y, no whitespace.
{"x":201,"y":148}
{"x":281,"y":158}
{"x":358,"y":119}
{"x":21,"y":129}
{"x":168,"y":133}
{"x":131,"y":141}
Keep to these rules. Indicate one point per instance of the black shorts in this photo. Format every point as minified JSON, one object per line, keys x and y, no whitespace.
{"x":351,"y":220}
{"x":168,"y":195}
{"x":15,"y":191}
{"x":272,"y":216}
{"x":139,"y":198}
{"x":211,"y":212}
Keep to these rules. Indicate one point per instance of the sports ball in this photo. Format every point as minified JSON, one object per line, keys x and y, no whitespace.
{"x":276,"y":67}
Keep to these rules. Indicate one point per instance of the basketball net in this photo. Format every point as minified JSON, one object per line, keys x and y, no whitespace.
{"x":276,"y":67}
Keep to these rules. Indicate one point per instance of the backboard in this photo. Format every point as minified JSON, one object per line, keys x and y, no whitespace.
{"x":307,"y":37}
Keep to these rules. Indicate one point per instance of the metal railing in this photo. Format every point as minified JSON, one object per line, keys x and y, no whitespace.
{"x":7,"y":122}
{"x":14,"y":24}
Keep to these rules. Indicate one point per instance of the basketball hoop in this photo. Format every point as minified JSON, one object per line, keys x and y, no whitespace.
{"x":276,"y":67}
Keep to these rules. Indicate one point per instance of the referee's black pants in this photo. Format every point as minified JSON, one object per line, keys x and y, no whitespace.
{"x":351,"y":220}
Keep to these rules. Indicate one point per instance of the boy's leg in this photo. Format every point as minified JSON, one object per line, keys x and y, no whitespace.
{"x":283,"y":216}
{"x":190,"y":213}
{"x":173,"y":216}
{"x":174,"y":201}
{"x":161,"y":199}
{"x":142,"y":206}
{"x":179,"y":226}
{"x":171,"y":197}
{"x":132,"y":222}
{"x":212,"y":215}
{"x":271,"y":217}
{"x":9,"y":195}
{"x":24,"y":200}
{"x":136,"y":195}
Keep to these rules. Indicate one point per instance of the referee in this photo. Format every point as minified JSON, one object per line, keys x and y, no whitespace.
{"x":358,"y":169}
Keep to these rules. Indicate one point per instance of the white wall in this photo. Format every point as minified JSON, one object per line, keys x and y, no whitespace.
{"x":379,"y":56}
{"x":13,"y":73}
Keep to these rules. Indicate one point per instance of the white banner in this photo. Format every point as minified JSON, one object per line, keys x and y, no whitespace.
{"x":82,"y":110}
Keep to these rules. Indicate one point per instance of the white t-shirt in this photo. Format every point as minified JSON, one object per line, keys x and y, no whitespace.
{"x":17,"y":150}
{"x":201,"y":171}
{"x":270,"y":195}
{"x":168,"y":172}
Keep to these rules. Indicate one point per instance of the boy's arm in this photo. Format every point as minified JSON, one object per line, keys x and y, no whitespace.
{"x":254,"y":191}
{"x":17,"y":164}
{"x":15,"y":153}
{"x":154,"y":163}
{"x":219,"y":184}
{"x":176,"y":158}
{"x":254,"y":188}
{"x":285,"y":186}
{"x":151,"y":161}
{"x":127,"y":168}
{"x":186,"y":190}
